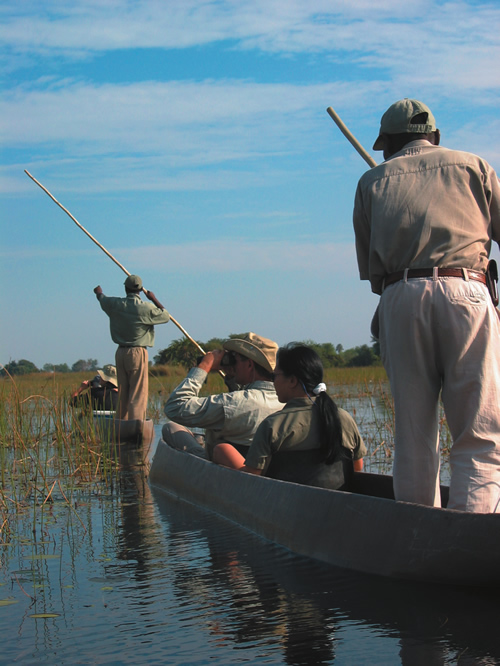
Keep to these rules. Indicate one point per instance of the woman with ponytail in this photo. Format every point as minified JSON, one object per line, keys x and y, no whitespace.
{"x":311,"y":440}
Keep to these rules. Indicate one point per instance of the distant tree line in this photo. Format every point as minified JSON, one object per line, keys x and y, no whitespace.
{"x":183,"y":352}
{"x":24,"y":367}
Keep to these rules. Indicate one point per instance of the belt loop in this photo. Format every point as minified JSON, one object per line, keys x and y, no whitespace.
{"x":435,"y":273}
{"x":405,"y":275}
{"x":383,"y":284}
{"x":465,"y":274}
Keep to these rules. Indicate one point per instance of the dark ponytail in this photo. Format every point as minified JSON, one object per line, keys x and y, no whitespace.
{"x":305,"y":364}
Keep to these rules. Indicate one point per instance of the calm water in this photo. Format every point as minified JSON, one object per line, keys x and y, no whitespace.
{"x":134,"y":576}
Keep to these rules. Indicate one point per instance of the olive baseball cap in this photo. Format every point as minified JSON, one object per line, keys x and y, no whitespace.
{"x":397,"y":120}
{"x":256,"y":348}
{"x":133,"y":282}
{"x":108,"y":373}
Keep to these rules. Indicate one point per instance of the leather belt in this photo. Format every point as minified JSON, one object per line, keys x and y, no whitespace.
{"x":429,"y":272}
{"x":131,"y":347}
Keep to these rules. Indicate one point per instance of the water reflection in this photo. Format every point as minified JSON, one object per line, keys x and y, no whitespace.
{"x":140,"y":577}
{"x":312,"y":613}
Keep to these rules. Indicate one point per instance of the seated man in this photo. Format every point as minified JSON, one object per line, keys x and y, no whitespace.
{"x":101,"y":391}
{"x":227,"y":417}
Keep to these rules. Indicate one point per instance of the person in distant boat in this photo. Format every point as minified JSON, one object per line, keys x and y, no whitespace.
{"x":311,"y":440}
{"x":132,"y":323}
{"x":424,"y":222}
{"x":226,"y":417}
{"x":101,"y":392}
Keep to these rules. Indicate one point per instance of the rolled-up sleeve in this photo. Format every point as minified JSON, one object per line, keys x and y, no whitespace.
{"x":185,"y":407}
{"x":351,"y":437}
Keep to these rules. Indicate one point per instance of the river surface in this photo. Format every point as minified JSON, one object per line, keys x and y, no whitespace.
{"x":133,"y":576}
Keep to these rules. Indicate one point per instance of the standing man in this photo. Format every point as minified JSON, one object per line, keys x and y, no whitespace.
{"x":230,"y":417}
{"x":424,"y":222}
{"x":132,"y":322}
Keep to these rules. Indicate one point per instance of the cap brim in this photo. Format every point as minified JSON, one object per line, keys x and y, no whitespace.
{"x":379,"y":143}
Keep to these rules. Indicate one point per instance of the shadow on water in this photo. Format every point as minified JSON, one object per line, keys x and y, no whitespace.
{"x":314,"y":613}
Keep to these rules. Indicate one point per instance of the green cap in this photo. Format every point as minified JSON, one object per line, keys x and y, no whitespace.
{"x":133,"y":283}
{"x":397,"y":120}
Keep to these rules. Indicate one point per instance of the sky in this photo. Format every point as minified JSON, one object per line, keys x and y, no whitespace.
{"x":191,"y":140}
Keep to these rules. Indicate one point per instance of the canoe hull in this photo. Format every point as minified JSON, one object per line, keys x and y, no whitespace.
{"x":355,"y":531}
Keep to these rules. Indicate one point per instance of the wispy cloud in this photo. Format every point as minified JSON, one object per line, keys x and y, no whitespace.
{"x":442,"y":42}
{"x":167,"y":136}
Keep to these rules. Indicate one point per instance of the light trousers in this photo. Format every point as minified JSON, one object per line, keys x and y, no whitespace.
{"x":133,"y":382}
{"x":181,"y":438}
{"x":442,"y":336}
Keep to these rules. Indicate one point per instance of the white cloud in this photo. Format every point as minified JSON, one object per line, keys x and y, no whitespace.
{"x":148,"y":115}
{"x":451,"y":43}
{"x":165,"y":136}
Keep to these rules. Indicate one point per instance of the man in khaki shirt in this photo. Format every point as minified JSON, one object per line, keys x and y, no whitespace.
{"x":424,"y":222}
{"x":132,"y":322}
{"x":226,"y":417}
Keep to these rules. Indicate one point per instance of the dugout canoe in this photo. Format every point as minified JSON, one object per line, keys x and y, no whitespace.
{"x":365,"y":530}
{"x":121,"y":431}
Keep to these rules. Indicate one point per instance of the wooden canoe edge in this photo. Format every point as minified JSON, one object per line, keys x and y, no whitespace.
{"x":358,"y":532}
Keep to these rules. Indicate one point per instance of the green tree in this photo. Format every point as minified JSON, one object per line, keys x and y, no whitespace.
{"x":21,"y":367}
{"x":56,"y":367}
{"x":361,"y":357}
{"x":326,"y":351}
{"x":179,"y":352}
{"x":81,"y":365}
{"x":183,"y":352}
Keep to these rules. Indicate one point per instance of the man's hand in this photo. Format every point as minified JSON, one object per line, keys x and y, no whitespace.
{"x":152,"y":297}
{"x":212,"y":360}
{"x":98,"y":291}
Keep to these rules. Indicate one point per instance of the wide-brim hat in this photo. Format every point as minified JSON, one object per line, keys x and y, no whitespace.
{"x":398,"y":120}
{"x":256,"y":348}
{"x":108,"y":373}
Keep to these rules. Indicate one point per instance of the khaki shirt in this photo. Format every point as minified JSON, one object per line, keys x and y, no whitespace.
{"x":132,"y":321}
{"x":296,"y":427}
{"x":227,"y":417}
{"x":425,"y":206}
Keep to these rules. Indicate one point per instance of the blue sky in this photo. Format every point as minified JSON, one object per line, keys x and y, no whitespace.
{"x":191,"y":139}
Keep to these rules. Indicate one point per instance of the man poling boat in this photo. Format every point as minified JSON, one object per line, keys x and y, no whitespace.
{"x":174,"y":321}
{"x":132,"y":327}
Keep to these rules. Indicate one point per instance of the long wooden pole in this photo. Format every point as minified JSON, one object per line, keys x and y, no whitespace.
{"x":349,"y":136}
{"x":108,"y":253}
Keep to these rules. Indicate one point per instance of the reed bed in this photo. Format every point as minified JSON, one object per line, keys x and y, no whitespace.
{"x":50,"y":455}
